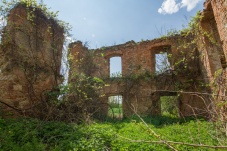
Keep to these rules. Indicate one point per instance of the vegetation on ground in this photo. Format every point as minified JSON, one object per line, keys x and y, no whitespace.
{"x":27,"y":134}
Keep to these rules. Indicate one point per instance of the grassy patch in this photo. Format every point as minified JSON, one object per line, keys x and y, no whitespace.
{"x":31,"y":134}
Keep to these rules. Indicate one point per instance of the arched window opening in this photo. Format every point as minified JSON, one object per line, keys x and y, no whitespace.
{"x":115,"y":67}
{"x":115,"y":107}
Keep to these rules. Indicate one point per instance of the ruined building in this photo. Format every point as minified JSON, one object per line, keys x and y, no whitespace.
{"x":192,"y":66}
{"x":30,"y":57}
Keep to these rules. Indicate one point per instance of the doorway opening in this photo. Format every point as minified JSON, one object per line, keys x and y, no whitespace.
{"x":169,"y":106}
{"x":115,"y":109}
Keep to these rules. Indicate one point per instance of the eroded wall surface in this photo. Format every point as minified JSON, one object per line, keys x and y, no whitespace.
{"x":30,"y":59}
{"x":140,"y":86}
{"x":212,"y":45}
{"x":213,"y":51}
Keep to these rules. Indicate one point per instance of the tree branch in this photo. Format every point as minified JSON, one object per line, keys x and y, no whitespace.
{"x":172,"y":142}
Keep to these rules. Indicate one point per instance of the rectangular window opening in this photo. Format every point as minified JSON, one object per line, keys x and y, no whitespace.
{"x":115,"y":67}
{"x":162,"y":63}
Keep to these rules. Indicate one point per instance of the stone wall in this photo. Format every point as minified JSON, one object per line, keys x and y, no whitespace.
{"x":30,"y":58}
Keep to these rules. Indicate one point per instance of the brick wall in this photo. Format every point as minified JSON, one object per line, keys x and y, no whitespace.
{"x":142,"y":94}
{"x":30,"y":58}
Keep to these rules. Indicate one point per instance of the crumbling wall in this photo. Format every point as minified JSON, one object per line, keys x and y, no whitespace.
{"x":140,"y":86}
{"x":77,"y":55}
{"x":213,"y":44}
{"x":30,"y":59}
{"x":219,"y":8}
{"x":213,"y":50}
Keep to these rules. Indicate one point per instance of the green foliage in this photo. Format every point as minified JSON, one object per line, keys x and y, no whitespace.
{"x":20,"y":135}
{"x":115,"y":110}
{"x":31,"y":134}
{"x":169,"y":105}
{"x":32,"y":6}
{"x":85,"y":87}
{"x":115,"y":105}
{"x":116,"y":75}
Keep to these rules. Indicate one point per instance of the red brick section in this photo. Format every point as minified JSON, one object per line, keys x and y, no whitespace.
{"x":30,"y":59}
{"x":141,"y":96}
{"x":214,"y":61}
{"x":219,"y":9}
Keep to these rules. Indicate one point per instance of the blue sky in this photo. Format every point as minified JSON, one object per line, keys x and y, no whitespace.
{"x":109,"y":22}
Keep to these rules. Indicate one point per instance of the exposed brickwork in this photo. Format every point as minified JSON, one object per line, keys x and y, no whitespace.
{"x":30,"y":59}
{"x":214,"y":22}
{"x":213,"y":62}
{"x":142,"y":95}
{"x":219,"y":8}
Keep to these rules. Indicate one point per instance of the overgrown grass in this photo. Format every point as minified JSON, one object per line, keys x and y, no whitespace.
{"x":34,"y":135}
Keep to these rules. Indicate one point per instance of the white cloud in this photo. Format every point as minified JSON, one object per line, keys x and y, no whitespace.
{"x":190,"y":4}
{"x":171,"y":6}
